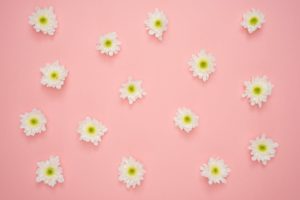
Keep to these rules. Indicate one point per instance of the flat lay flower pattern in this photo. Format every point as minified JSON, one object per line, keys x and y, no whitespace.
{"x":202,"y":65}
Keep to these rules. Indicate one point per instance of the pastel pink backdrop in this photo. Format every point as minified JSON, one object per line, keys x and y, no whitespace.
{"x":145,"y":130}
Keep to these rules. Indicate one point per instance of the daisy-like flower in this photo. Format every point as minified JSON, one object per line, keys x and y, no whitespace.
{"x":132,"y":90}
{"x":54,"y":75}
{"x":49,"y":171}
{"x":91,"y":130}
{"x":131,"y":172}
{"x":109,"y":44}
{"x":44,"y":20}
{"x":186,"y":120}
{"x":202,"y":65}
{"x":33,"y":122}
{"x":257,"y":90}
{"x":215,"y":170}
{"x":156,"y":24}
{"x":262,"y":149}
{"x":253,"y":20}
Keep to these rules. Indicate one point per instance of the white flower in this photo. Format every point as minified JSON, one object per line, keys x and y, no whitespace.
{"x":262,"y":149}
{"x":109,"y":44}
{"x":91,"y":130}
{"x":131,"y":172}
{"x":156,"y":24}
{"x":215,"y":170}
{"x":253,"y":20}
{"x":202,"y":65}
{"x":54,"y":75}
{"x":49,"y":171}
{"x":257,"y":90}
{"x":186,"y":120}
{"x":44,"y":20}
{"x":33,"y":122}
{"x":132,"y":90}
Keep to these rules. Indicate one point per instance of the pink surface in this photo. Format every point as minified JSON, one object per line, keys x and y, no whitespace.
{"x":145,"y":130}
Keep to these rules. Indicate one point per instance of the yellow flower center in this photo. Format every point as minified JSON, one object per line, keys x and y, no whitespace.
{"x":131,"y":89}
{"x":215,"y":171}
{"x":187,"y":119}
{"x":54,"y":75}
{"x":33,"y":121}
{"x":131,"y":171}
{"x":203,"y":64}
{"x":91,"y":130}
{"x":158,"y":23}
{"x":253,"y":21}
{"x":262,"y":148}
{"x":43,"y":20}
{"x":257,"y":90}
{"x":50,"y":171}
{"x":108,"y":43}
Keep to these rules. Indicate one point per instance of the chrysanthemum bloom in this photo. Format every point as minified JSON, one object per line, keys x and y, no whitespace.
{"x":262,"y":149}
{"x":156,"y":24}
{"x":91,"y":130}
{"x":54,"y":75}
{"x":33,"y":122}
{"x":202,"y":65}
{"x":131,"y":172}
{"x":215,"y":171}
{"x":44,"y":20}
{"x":257,"y":90}
{"x":49,"y":171}
{"x":109,"y":44}
{"x":253,"y":20}
{"x":186,"y":120}
{"x":132,"y":90}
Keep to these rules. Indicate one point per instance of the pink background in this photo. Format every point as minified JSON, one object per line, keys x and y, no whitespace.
{"x":145,"y":130}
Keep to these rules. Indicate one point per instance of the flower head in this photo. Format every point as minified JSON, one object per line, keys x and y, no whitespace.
{"x":257,"y":90}
{"x":262,"y":149}
{"x":253,"y":20}
{"x":202,"y":65}
{"x":49,"y":171}
{"x":131,"y":172}
{"x":156,"y":24}
{"x":186,"y":120}
{"x":44,"y":20}
{"x":33,"y":122}
{"x":91,"y":130}
{"x":109,"y":44}
{"x":54,"y":75}
{"x":215,"y":170}
{"x":132,"y":90}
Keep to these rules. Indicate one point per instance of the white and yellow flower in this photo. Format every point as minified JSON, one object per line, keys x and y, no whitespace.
{"x":156,"y":24}
{"x":33,"y":122}
{"x":216,"y":171}
{"x":44,"y":20}
{"x":109,"y":44}
{"x":54,"y":75}
{"x":257,"y":90}
{"x":131,"y":172}
{"x":253,"y":20}
{"x":50,"y":171}
{"x":202,"y":65}
{"x":91,"y":130}
{"x":186,"y":120}
{"x":262,"y":149}
{"x":132,"y":90}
